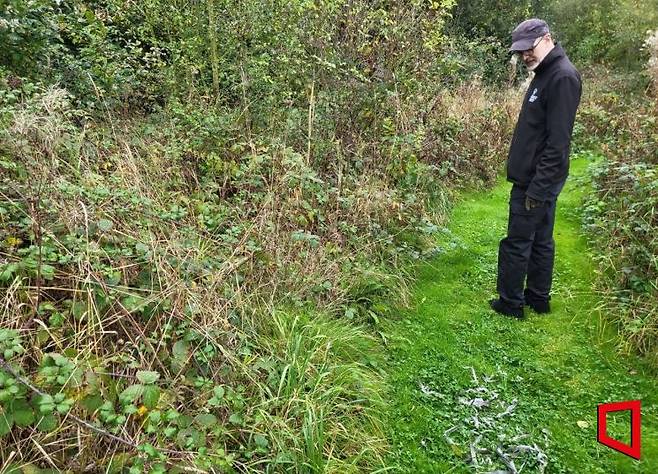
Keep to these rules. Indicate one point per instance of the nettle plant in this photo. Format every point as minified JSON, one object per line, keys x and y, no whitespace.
{"x":21,"y":403}
{"x":40,"y":401}
{"x":10,"y":343}
{"x":14,"y":406}
{"x":62,"y":383}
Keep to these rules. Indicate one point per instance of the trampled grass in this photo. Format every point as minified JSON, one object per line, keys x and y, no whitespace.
{"x":558,"y":366}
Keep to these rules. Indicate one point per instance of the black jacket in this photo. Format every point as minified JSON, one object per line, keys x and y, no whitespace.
{"x":539,"y":155}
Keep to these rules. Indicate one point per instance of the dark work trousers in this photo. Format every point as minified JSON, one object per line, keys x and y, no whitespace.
{"x":526,"y":255}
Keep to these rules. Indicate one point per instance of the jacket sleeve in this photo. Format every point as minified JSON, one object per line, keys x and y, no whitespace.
{"x":563,"y":100}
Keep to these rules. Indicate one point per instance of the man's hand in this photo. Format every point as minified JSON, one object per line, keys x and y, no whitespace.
{"x":531,"y":203}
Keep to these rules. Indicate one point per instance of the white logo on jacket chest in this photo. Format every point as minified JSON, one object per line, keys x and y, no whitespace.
{"x":534,"y":96}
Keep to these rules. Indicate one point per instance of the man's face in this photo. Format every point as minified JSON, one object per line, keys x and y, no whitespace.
{"x":532,"y":57}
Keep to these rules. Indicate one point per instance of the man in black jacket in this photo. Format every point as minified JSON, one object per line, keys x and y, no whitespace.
{"x":538,"y":165}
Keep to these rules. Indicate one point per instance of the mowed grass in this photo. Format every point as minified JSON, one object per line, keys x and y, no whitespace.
{"x":559,"y":366}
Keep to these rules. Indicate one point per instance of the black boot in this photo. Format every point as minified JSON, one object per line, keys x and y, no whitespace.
{"x":537,"y":305}
{"x":500,"y":307}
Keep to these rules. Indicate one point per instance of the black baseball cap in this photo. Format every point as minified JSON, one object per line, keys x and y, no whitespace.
{"x":525,"y":34}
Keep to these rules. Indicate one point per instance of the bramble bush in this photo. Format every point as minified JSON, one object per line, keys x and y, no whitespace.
{"x":199,"y":296}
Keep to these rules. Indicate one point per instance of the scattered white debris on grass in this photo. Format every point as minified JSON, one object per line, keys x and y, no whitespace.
{"x":486,"y":435}
{"x":427,"y":391}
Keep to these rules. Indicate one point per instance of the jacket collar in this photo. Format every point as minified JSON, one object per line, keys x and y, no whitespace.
{"x":556,"y":52}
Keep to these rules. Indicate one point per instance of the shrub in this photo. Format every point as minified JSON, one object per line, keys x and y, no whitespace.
{"x":604,"y":30}
{"x":620,"y":214}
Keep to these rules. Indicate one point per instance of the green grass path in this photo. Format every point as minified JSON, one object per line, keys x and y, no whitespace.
{"x":557,"y":366}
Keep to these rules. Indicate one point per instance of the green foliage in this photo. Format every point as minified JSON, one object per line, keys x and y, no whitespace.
{"x":10,"y":343}
{"x":21,"y":408}
{"x":620,"y":214}
{"x":123,"y":53}
{"x":480,"y":34}
{"x":58,"y":370}
{"x":10,"y":389}
{"x":609,"y":31}
{"x":28,"y":33}
{"x":107,"y":54}
{"x":620,"y":217}
{"x":481,"y":19}
{"x":48,"y":404}
{"x":153,"y":241}
{"x":604,"y":30}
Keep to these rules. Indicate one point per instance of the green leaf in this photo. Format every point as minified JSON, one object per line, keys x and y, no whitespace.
{"x":23,"y":413}
{"x":46,"y":404}
{"x":6,"y":271}
{"x":91,"y":403}
{"x":181,"y":350}
{"x":236,"y":419}
{"x":151,"y":396}
{"x":105,"y":225}
{"x":78,"y":309}
{"x":141,"y":248}
{"x":147,"y":377}
{"x":218,"y":396}
{"x":205,"y":420}
{"x":132,"y":393}
{"x":190,"y":438}
{"x":47,"y":271}
{"x":261,"y":441}
{"x":180,"y":353}
{"x":118,"y":462}
{"x":14,"y":469}
{"x":113,"y":278}
{"x":6,"y":422}
{"x":184,"y":421}
{"x":47,"y":424}
{"x":133,"y":303}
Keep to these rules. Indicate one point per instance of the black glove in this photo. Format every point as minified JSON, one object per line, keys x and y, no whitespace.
{"x":532,"y":203}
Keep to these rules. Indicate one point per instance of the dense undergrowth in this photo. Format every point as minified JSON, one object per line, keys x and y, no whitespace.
{"x":621,"y":215}
{"x":171,"y":297}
